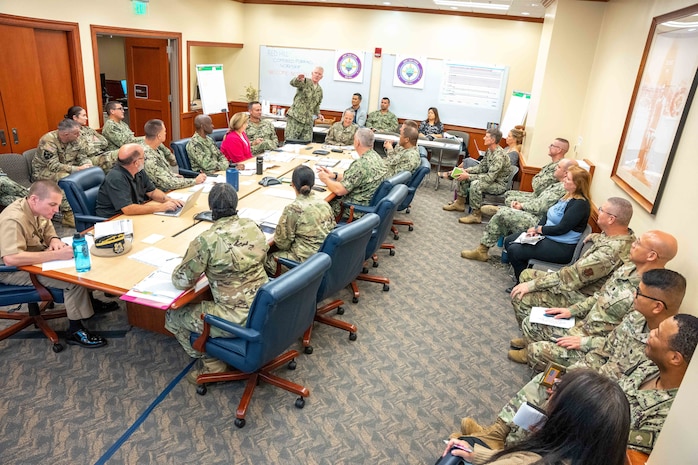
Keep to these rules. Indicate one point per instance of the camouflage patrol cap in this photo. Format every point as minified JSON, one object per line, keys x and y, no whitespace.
{"x":223,"y":201}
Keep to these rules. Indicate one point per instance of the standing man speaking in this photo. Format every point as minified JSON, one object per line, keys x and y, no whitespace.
{"x":306,"y":104}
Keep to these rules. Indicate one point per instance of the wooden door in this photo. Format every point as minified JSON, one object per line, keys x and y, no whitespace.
{"x":148,"y":77}
{"x":22,"y":90}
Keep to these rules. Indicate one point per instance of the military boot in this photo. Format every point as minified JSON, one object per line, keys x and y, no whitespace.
{"x":489,"y":210}
{"x":518,"y":343}
{"x":475,"y":217}
{"x":68,"y":220}
{"x":479,"y":254}
{"x":518,"y":356}
{"x":458,"y":205}
{"x":495,"y":435}
{"x":207,"y":365}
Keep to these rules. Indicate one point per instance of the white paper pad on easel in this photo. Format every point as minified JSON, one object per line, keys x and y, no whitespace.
{"x":539,"y":316}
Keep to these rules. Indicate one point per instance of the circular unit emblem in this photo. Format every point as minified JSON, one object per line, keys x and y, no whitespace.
{"x":349,"y":65}
{"x":410,"y":71}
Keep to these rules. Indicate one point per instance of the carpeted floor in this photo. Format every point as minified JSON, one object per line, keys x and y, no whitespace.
{"x":429,"y":351}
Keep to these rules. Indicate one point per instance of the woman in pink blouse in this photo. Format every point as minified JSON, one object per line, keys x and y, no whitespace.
{"x":236,"y":146}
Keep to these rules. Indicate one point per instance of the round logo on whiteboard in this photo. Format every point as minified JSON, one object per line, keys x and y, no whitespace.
{"x":410,"y":71}
{"x":349,"y":65}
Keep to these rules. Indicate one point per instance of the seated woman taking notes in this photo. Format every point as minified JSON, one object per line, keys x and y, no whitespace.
{"x":562,"y":227}
{"x":236,"y":145}
{"x":432,"y":126}
{"x":304,"y":224}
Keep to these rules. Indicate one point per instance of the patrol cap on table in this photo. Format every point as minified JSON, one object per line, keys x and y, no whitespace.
{"x":112,"y":245}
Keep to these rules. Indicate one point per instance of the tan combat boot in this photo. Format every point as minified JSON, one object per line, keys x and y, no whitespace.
{"x":479,"y":254}
{"x":518,"y":356}
{"x":518,"y":343}
{"x":207,"y":365}
{"x":489,"y":210}
{"x":495,"y":435}
{"x":475,"y":217}
{"x":68,"y":220}
{"x":456,"y":206}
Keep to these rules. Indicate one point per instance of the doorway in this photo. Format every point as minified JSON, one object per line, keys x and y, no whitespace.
{"x":141,"y":69}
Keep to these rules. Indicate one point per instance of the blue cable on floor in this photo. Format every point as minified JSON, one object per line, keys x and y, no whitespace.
{"x":124,"y":437}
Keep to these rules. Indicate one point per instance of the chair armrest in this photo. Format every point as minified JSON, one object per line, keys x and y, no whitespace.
{"x":188,"y":173}
{"x":90,"y":218}
{"x":287,"y":262}
{"x":542,"y":265}
{"x":8,"y":269}
{"x":248,"y":334}
{"x":362,"y":208}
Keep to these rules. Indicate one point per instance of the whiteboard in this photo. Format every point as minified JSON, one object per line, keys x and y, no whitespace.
{"x":516,"y":111}
{"x":212,"y":88}
{"x":278,"y":65}
{"x":439,"y":80}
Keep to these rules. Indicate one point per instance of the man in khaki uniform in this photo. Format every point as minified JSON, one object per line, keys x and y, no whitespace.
{"x":27,"y":237}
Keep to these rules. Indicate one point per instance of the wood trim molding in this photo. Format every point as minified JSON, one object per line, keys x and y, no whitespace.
{"x":125,"y":32}
{"x":197,"y":43}
{"x":74,"y":50}
{"x":392,"y":8}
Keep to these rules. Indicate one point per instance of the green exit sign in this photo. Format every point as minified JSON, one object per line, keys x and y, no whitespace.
{"x":140,"y":8}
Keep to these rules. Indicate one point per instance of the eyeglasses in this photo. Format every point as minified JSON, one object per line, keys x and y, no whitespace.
{"x":555,"y":146}
{"x":556,"y":385}
{"x":640,"y":294}
{"x":640,"y":244}
{"x":601,"y":210}
{"x":119,"y":108}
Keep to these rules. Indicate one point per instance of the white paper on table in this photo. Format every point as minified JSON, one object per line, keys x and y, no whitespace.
{"x":307,"y":157}
{"x":281,"y":193}
{"x":318,"y":182}
{"x":158,"y":283}
{"x":153,"y":238}
{"x":105,"y":228}
{"x":70,"y":263}
{"x":247,"y":172}
{"x":344,"y":164}
{"x":154,"y":256}
{"x":538,"y":315}
{"x":293,"y":147}
{"x":261,"y":216}
{"x":214,"y":179}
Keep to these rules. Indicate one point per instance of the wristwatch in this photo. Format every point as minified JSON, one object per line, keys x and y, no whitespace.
{"x":336,"y":175}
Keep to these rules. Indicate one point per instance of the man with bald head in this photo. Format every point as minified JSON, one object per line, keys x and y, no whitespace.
{"x":405,"y":157}
{"x":203,"y":153}
{"x":127,"y":187}
{"x":599,"y":314}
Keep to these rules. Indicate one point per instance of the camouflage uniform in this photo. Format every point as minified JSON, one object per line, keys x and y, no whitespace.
{"x":401,"y":159}
{"x":541,"y":181}
{"x":159,"y":170}
{"x":361,"y":180}
{"x":118,"y":134}
{"x":489,"y":176}
{"x":576,"y":282}
{"x":204,"y":155}
{"x":302,"y":228}
{"x":10,"y":190}
{"x":262,"y":130}
{"x":340,"y":135}
{"x":306,"y":104}
{"x":509,"y":220}
{"x":601,"y":313}
{"x":386,"y":122}
{"x":231,"y":254}
{"x":94,"y":146}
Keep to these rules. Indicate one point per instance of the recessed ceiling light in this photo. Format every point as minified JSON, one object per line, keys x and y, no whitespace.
{"x":386,"y":3}
{"x":525,"y":13}
{"x":454,"y":7}
{"x":464,"y":4}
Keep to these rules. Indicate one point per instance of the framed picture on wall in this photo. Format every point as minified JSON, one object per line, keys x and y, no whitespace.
{"x":664,"y":90}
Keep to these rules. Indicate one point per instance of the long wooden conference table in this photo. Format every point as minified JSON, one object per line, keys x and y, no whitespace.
{"x":118,"y":275}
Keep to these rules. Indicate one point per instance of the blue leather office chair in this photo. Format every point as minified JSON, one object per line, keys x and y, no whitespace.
{"x":385,"y":211}
{"x":346,"y":245}
{"x":280,"y":313}
{"x":32,"y":296}
{"x":81,"y":189}
{"x":179,"y":148}
{"x":218,"y":135}
{"x":498,"y":199}
{"x":384,"y":188}
{"x":412,"y":185}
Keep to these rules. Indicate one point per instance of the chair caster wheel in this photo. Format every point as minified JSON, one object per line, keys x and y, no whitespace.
{"x":364,"y":270}
{"x":386,"y":288}
{"x":352,"y":336}
{"x":355,"y":300}
{"x":396,"y":237}
{"x":392,"y":252}
{"x":410,"y":228}
{"x":375,"y":264}
{"x":201,"y":389}
{"x":308,"y":350}
{"x":57,"y":348}
{"x":340,"y":310}
{"x":407,"y":211}
{"x":300,"y":402}
{"x":292,"y":364}
{"x":239,"y":422}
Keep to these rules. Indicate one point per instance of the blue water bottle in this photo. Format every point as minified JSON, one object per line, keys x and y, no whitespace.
{"x":81,"y":252}
{"x":232,"y":177}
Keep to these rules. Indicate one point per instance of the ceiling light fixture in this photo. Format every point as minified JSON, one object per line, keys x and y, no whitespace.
{"x":464,"y":4}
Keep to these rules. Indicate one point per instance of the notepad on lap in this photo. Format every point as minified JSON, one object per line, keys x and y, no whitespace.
{"x":539,"y":316}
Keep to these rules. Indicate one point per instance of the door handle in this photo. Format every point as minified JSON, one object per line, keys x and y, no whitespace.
{"x":14,"y":136}
{"x":3,"y":141}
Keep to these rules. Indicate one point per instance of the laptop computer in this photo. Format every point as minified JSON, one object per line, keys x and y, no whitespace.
{"x":190,"y":202}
